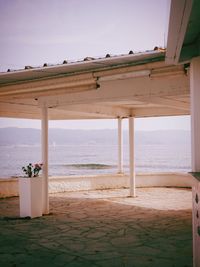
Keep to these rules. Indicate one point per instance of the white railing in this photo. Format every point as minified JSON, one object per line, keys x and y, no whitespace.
{"x":9,"y":187}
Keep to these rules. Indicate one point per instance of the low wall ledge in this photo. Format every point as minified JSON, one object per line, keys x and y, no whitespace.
{"x":196,"y":175}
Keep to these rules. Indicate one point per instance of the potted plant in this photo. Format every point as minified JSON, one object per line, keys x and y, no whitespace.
{"x":32,"y":170}
{"x":30,"y":191}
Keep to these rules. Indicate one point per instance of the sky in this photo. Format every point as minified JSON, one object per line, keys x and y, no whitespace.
{"x":50,"y":31}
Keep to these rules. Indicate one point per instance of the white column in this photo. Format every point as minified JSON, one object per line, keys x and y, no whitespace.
{"x":131,"y":157}
{"x":195,"y":149}
{"x":195,"y":112}
{"x":45,"y":159}
{"x":120,"y":146}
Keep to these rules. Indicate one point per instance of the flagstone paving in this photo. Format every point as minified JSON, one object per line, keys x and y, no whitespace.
{"x":103,"y":228}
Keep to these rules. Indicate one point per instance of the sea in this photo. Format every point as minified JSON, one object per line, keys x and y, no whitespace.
{"x":89,"y":159}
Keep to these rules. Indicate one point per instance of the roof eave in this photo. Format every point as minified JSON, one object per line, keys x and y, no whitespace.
{"x":179,"y":17}
{"x":27,"y":75}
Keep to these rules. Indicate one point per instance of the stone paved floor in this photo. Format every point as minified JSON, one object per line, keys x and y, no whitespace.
{"x":101,"y":228}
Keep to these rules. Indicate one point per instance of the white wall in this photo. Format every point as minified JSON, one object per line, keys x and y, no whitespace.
{"x":9,"y":187}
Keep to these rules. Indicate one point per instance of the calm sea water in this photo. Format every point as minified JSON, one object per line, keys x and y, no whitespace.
{"x":95,"y":159}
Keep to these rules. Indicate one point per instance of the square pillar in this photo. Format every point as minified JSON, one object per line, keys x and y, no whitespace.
{"x":195,"y":112}
{"x":45,"y":168}
{"x":196,"y":219}
{"x":195,"y":149}
{"x":131,"y":157}
{"x":120,"y":146}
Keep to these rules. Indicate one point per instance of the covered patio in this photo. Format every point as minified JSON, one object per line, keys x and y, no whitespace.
{"x":153,"y":83}
{"x":127,"y":86}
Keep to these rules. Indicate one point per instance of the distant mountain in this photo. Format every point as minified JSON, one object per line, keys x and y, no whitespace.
{"x":28,"y":136}
{"x":163,"y":137}
{"x":19,"y":136}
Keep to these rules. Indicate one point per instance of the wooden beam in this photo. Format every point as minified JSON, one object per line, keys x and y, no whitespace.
{"x":166,"y":102}
{"x":70,"y":83}
{"x":157,"y":111}
{"x":96,"y":110}
{"x":19,"y":110}
{"x":33,"y":90}
{"x":131,"y":89}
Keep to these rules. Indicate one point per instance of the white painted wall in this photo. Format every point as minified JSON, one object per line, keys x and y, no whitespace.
{"x":195,"y":132}
{"x":9,"y":187}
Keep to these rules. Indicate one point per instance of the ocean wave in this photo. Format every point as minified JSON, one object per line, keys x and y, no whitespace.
{"x":162,"y":166}
{"x":92,"y":166}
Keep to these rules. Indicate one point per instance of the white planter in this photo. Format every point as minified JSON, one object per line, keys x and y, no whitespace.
{"x":30,"y":195}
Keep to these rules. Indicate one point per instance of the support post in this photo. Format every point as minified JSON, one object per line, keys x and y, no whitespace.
{"x":120,"y":146}
{"x":131,"y":157}
{"x":44,"y":138}
{"x":195,"y":149}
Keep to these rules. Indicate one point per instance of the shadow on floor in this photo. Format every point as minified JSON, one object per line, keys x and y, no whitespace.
{"x":95,"y":232}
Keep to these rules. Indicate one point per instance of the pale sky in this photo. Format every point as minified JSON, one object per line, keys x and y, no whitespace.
{"x":49,"y":31}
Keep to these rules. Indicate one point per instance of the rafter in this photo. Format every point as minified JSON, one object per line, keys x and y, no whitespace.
{"x":166,"y":102}
{"x":157,"y":111}
{"x":97,"y":110}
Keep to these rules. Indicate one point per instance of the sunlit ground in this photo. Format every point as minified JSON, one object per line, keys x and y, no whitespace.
{"x":101,"y":228}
